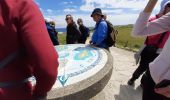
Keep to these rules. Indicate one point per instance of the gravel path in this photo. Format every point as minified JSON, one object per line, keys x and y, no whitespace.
{"x":117,"y":88}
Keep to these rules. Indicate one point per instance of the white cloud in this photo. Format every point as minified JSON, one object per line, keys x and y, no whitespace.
{"x":48,"y":19}
{"x":49,"y":11}
{"x":68,"y":2}
{"x":59,"y":20}
{"x":74,"y":6}
{"x":123,"y":19}
{"x":69,"y":10}
{"x":131,"y":4}
{"x":87,"y":7}
{"x":41,"y":9}
{"x":117,"y":11}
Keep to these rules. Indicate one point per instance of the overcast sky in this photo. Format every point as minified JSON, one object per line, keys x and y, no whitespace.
{"x":120,"y":12}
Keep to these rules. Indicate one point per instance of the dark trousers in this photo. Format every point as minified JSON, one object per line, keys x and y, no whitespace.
{"x":71,"y":40}
{"x":82,"y":40}
{"x":146,"y":58}
{"x":107,"y":49}
{"x":148,"y":88}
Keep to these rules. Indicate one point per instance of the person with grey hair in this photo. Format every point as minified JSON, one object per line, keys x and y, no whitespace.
{"x":73,"y":33}
{"x":84,"y":31}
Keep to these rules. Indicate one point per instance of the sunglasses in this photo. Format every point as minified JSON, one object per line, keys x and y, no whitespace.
{"x":67,"y":18}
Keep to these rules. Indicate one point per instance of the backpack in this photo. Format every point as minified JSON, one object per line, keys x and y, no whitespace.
{"x":87,"y":32}
{"x":112,"y":33}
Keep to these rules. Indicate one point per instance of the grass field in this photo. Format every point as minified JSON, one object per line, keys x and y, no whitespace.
{"x":124,"y":38}
{"x":62,"y":38}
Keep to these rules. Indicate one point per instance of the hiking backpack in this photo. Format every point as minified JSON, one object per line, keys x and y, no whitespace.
{"x":87,"y":32}
{"x":112,"y":33}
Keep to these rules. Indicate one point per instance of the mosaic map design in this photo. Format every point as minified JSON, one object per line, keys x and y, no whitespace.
{"x":75,"y":60}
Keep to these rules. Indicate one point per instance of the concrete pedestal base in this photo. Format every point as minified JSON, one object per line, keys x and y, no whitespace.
{"x":84,"y":85}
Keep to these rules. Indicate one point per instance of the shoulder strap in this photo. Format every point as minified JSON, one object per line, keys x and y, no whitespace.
{"x":8,"y":59}
{"x":13,"y":55}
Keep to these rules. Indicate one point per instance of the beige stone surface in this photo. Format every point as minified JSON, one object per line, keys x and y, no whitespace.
{"x":117,"y":88}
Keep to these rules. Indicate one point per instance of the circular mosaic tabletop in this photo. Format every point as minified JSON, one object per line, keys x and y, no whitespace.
{"x":83,"y":72}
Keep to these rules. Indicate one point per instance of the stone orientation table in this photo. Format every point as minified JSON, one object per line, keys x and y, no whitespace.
{"x":83,"y":72}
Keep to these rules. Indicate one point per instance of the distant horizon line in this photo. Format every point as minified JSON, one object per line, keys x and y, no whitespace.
{"x":93,"y":26}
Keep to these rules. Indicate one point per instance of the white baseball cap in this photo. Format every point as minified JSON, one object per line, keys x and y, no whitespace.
{"x":163,"y":5}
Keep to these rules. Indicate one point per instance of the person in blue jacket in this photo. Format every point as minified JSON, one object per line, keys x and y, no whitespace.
{"x":101,"y":30}
{"x":52,"y":33}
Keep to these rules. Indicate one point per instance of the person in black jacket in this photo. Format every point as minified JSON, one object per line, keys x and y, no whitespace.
{"x":73,"y":33}
{"x":84,"y":31}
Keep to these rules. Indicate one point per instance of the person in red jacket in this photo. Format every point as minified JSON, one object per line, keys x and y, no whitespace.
{"x":152,"y":47}
{"x":25,"y":50}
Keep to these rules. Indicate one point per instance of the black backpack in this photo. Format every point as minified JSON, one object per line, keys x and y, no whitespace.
{"x":112,"y":33}
{"x":87,"y":32}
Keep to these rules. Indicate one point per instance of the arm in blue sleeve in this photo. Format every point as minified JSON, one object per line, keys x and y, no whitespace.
{"x":102,"y":33}
{"x":94,"y":37}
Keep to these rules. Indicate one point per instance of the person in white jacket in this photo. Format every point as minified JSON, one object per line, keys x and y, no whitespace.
{"x":159,"y":69}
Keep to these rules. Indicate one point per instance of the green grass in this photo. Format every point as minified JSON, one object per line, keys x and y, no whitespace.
{"x":62,"y":38}
{"x":124,"y":38}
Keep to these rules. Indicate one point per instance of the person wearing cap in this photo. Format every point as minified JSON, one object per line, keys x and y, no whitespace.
{"x":159,"y":69}
{"x":26,"y":51}
{"x":84,"y":31}
{"x":73,"y":33}
{"x":100,"y":31}
{"x":152,"y":46}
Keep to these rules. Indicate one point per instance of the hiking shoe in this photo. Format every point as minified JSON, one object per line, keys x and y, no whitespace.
{"x":131,"y":82}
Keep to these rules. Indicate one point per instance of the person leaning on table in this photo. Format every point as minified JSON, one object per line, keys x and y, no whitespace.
{"x":25,"y":50}
{"x":159,"y":69}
